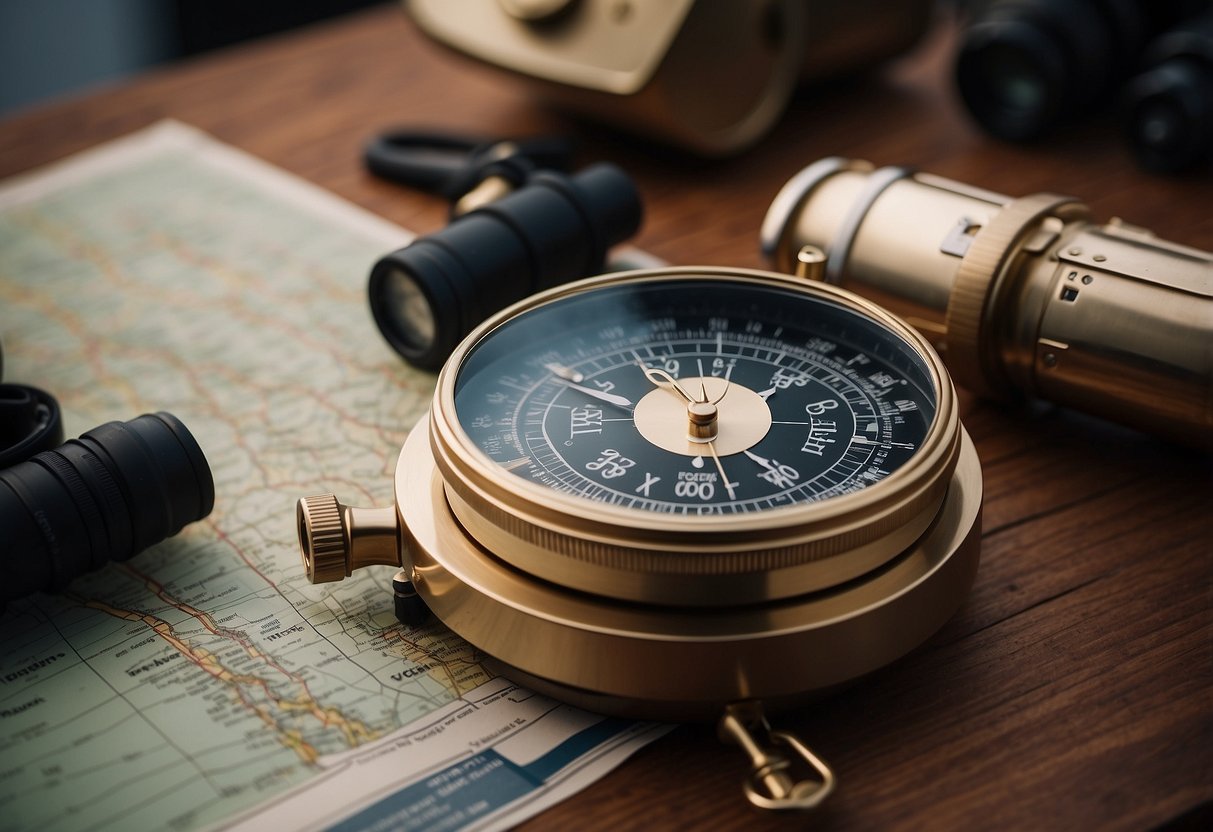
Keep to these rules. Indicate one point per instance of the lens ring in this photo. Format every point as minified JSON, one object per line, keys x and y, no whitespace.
{"x":108,"y":496}
{"x":988,"y":55}
{"x":82,"y":497}
{"x":978,"y":279}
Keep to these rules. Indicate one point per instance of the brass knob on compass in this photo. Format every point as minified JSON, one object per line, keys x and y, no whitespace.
{"x":335,"y":539}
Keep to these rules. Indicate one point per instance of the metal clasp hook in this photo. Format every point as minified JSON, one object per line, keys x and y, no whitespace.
{"x":771,"y":784}
{"x":469,"y":171}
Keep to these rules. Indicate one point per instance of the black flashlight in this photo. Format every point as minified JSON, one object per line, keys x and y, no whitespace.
{"x":554,"y":228}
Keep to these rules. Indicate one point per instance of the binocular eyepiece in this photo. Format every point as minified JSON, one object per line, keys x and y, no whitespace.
{"x":427,"y":296}
{"x":1168,"y":109}
{"x":108,"y":495}
{"x":1026,"y":66}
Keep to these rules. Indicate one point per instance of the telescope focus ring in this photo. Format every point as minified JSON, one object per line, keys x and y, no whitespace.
{"x":970,"y":339}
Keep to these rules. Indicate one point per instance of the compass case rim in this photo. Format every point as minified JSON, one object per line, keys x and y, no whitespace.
{"x":673,"y":662}
{"x":645,"y":556}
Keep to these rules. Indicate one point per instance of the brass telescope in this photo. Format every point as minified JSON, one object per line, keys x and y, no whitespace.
{"x":1024,"y":296}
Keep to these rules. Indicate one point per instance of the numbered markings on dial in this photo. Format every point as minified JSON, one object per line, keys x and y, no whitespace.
{"x":589,"y":396}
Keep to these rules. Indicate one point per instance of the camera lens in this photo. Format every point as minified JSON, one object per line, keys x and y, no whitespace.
{"x":1011,"y":78}
{"x":1161,"y":129}
{"x":108,"y":495}
{"x":1169,"y":107}
{"x":1017,"y":84}
{"x":1025,"y":65}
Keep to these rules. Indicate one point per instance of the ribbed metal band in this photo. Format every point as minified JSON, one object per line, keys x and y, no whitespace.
{"x":971,"y":347}
{"x":322,"y":534}
{"x":840,"y":247}
{"x":787,"y":202}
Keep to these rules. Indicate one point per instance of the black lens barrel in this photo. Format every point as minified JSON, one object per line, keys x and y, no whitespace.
{"x":1026,"y":66}
{"x":108,"y":495}
{"x":1168,"y":108}
{"x":554,"y":229}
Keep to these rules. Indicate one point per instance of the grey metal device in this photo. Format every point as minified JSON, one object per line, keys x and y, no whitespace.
{"x":712,"y":76}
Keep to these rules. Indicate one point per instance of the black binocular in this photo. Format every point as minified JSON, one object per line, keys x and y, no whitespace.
{"x":1026,"y":66}
{"x":67,"y":508}
{"x":520,"y":224}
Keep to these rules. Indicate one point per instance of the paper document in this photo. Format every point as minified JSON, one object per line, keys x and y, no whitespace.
{"x":205,"y":683}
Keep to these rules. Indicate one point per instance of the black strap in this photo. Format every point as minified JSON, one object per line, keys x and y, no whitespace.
{"x":30,"y":423}
{"x":450,"y":165}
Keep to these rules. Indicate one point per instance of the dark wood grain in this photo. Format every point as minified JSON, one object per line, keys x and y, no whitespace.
{"x":1074,"y":690}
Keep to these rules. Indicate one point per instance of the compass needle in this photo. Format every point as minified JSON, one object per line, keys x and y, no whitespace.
{"x":665,"y":381}
{"x":609,"y":398}
{"x":724,"y":478}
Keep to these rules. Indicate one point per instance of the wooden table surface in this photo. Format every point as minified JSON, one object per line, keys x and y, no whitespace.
{"x":1074,"y":688}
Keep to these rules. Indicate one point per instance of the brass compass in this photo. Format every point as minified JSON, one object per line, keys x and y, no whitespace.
{"x":679,"y":493}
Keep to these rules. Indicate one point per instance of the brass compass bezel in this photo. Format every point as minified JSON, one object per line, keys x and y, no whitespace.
{"x":669,"y":662}
{"x":636,"y":555}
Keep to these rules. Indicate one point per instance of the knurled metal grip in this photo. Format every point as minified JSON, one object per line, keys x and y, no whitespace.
{"x":335,"y":539}
{"x":972,"y":347}
{"x":322,"y":538}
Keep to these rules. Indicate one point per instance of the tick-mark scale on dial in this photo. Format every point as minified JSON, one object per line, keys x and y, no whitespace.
{"x":671,"y":328}
{"x":863,"y":440}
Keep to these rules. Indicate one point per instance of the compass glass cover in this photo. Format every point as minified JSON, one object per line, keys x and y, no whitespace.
{"x":695,"y":396}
